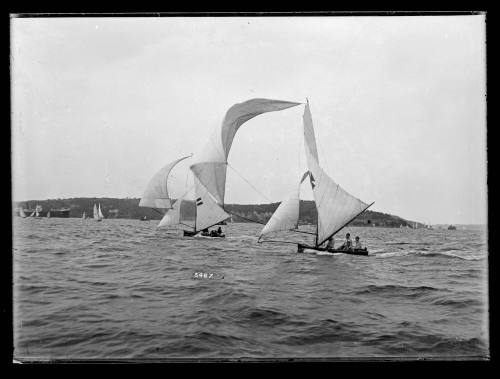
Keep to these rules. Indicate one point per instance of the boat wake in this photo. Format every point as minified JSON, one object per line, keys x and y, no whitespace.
{"x":424,"y":254}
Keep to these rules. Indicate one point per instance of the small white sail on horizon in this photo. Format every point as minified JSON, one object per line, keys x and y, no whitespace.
{"x":48,"y":214}
{"x":84,"y":215}
{"x":21,"y":212}
{"x":97,"y":213}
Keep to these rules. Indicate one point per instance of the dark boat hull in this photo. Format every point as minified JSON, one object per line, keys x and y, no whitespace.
{"x":188,"y":233}
{"x":300,"y":249}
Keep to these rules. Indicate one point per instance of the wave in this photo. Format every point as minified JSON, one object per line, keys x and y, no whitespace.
{"x":426,"y":254}
{"x":396,"y":290}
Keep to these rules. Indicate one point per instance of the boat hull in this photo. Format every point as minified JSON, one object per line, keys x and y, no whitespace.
{"x":188,"y":233}
{"x":300,"y":249}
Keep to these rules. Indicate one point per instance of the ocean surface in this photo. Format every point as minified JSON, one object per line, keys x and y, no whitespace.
{"x":124,"y":289}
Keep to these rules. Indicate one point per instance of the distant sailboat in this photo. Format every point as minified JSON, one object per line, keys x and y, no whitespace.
{"x":38,"y":210}
{"x":48,"y":214}
{"x":21,"y":213}
{"x":84,"y":216}
{"x":335,"y":207}
{"x":98,"y":216}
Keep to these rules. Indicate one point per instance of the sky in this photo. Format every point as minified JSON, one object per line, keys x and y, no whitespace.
{"x":398,"y":104}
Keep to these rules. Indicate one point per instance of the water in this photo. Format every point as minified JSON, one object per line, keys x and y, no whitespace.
{"x":122,"y":289}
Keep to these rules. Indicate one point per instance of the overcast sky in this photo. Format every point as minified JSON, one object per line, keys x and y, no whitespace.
{"x":398,"y":105}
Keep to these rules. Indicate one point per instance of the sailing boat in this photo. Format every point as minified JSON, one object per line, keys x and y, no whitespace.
{"x":21,"y":213}
{"x":84,"y":216}
{"x":38,"y":210}
{"x":98,"y":216}
{"x":335,"y":207}
{"x":48,"y":214}
{"x":210,"y":167}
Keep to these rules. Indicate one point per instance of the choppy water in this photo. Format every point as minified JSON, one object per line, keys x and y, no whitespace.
{"x":122,"y":289}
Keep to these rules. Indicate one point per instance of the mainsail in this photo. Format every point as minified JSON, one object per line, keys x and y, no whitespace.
{"x":156,"y":193}
{"x":335,"y":206}
{"x":211,"y":165}
{"x":21,"y":212}
{"x":84,"y":215}
{"x":101,"y":216}
{"x":208,"y":212}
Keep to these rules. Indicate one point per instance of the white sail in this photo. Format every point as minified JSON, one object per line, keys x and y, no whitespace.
{"x":211,"y":165}
{"x":36,"y":213}
{"x":335,"y":206}
{"x":21,"y":212}
{"x":96,"y":213}
{"x":208,"y":212}
{"x":48,"y":214}
{"x":286,"y":216}
{"x":31,"y":215}
{"x":156,"y":193}
{"x":84,"y":215}
{"x":101,"y":216}
{"x":172,"y":217}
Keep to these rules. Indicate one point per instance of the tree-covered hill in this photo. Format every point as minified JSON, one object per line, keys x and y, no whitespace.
{"x":129,"y":208}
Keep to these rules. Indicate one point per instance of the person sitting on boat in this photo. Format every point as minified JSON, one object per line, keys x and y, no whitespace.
{"x":219,"y":231}
{"x":357,"y":245}
{"x":347,"y":243}
{"x":204,"y":232}
{"x":213,"y":233}
{"x":329,"y":245}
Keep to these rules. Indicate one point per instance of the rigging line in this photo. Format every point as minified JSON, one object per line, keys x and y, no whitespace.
{"x":232,"y":168}
{"x":248,"y":219}
{"x":301,"y":231}
{"x":277,"y":241}
{"x":156,"y":210}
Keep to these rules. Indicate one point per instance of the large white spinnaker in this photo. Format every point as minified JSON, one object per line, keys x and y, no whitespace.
{"x":156,"y":193}
{"x":211,"y":164}
{"x":335,"y":206}
{"x":286,"y":216}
